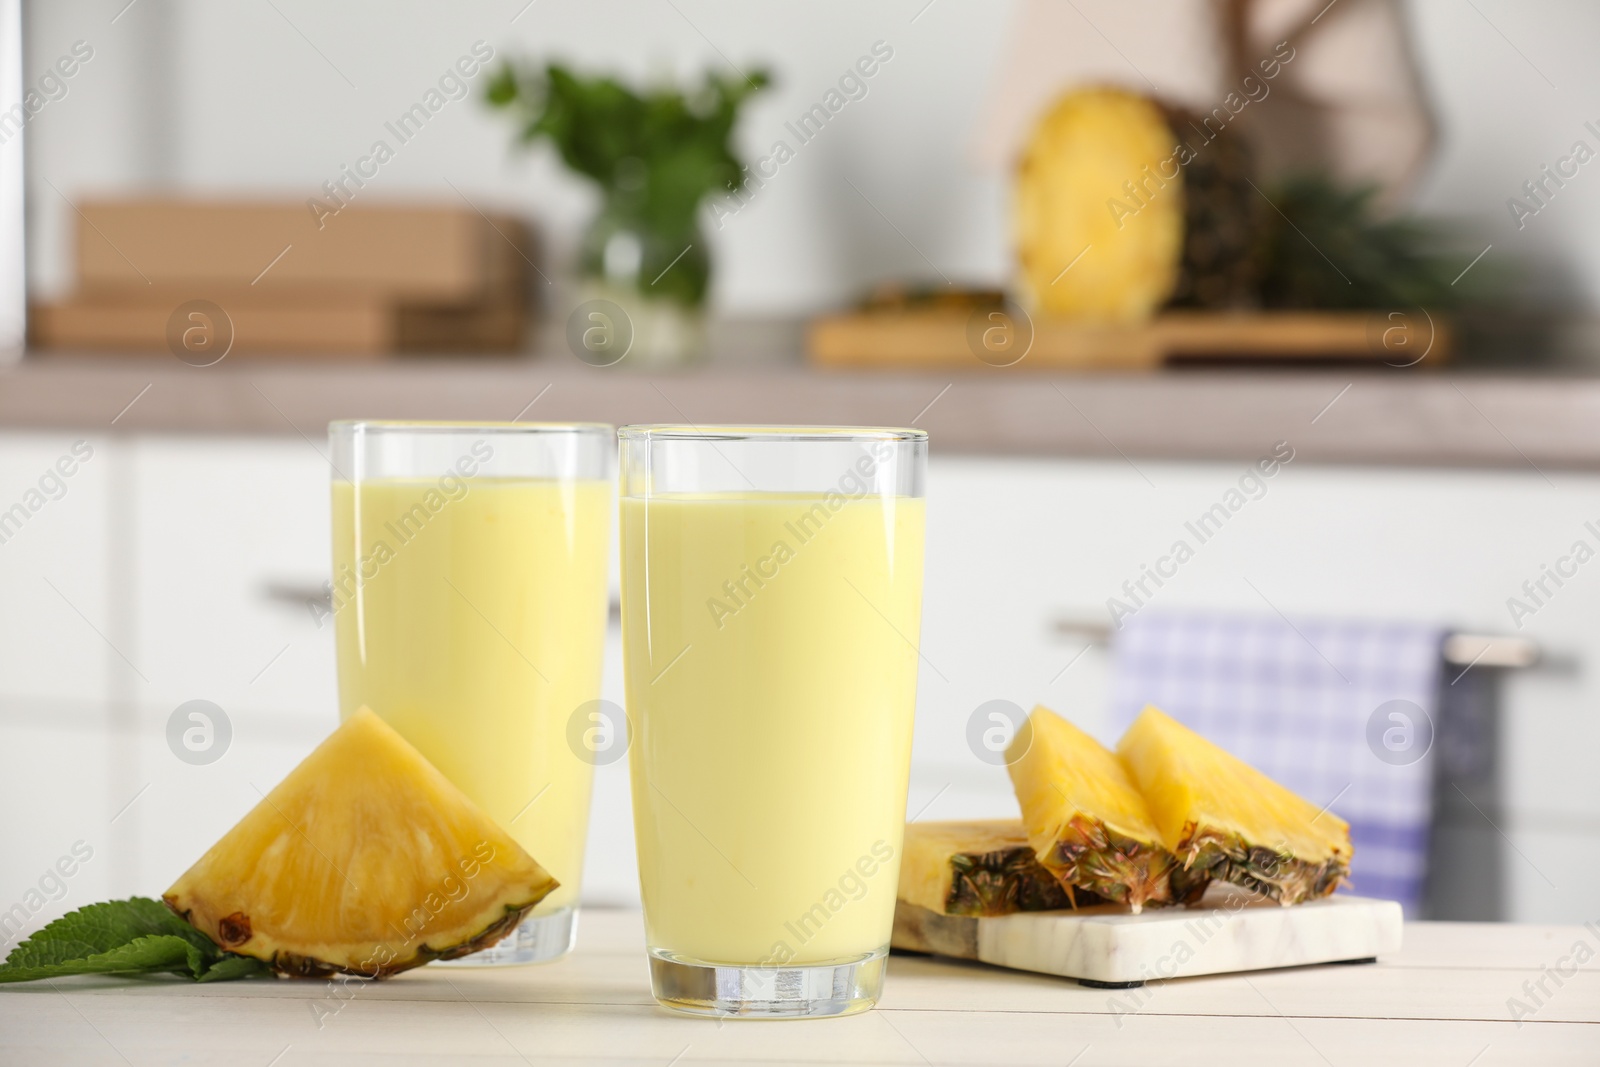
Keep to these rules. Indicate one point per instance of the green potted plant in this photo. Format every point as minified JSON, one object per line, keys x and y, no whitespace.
{"x":655,"y":156}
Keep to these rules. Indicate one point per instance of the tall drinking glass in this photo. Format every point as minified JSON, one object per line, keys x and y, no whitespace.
{"x":771,"y":603}
{"x":469,"y":603}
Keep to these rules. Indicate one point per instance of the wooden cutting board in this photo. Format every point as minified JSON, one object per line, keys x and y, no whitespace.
{"x":943,"y":338}
{"x":1229,"y":931}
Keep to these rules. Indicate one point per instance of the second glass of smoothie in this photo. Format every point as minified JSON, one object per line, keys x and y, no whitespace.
{"x":771,"y":597}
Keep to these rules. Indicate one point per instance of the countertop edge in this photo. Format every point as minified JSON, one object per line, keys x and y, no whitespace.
{"x":1438,"y":419}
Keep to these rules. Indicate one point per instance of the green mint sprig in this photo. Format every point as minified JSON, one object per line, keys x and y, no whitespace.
{"x":134,"y":936}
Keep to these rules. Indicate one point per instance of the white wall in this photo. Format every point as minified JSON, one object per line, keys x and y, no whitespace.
{"x":249,"y":96}
{"x":1513,"y":85}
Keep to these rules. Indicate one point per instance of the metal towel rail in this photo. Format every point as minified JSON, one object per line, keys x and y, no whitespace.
{"x":1460,"y":649}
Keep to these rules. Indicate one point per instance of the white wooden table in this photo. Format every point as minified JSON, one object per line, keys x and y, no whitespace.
{"x":1443,"y":1000}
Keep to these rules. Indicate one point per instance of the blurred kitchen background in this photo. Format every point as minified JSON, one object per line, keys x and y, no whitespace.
{"x":219,"y":259}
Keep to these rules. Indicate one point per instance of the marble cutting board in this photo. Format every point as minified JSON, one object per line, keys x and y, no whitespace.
{"x":1230,"y":930}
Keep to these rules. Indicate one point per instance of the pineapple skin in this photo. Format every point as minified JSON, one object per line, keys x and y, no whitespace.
{"x":364,"y":860}
{"x":1225,"y":818}
{"x":1090,"y":857}
{"x":1274,"y":873}
{"x":1087,"y":821}
{"x":979,"y":868}
{"x":1223,"y":217}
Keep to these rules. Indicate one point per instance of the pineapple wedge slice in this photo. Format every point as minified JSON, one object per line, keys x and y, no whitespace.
{"x":977,"y":868}
{"x":1224,"y":817}
{"x":364,"y":860}
{"x":1087,"y":822}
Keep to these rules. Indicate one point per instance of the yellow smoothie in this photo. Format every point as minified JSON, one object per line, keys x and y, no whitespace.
{"x":470,"y":615}
{"x":771,"y":679}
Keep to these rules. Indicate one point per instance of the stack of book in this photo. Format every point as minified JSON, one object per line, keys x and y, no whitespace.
{"x":370,"y":279}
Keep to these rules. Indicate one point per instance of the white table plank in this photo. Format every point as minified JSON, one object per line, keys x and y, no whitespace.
{"x":382,"y":1032}
{"x":1485,"y":945}
{"x":1344,"y":992}
{"x":595,"y":1008}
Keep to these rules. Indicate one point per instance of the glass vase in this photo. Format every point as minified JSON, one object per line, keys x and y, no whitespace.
{"x":655,"y":275}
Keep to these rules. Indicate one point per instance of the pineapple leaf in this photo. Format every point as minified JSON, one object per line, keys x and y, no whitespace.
{"x":1328,"y":246}
{"x":134,"y":936}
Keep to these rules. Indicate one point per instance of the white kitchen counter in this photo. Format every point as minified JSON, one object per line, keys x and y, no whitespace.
{"x":1442,"y":1000}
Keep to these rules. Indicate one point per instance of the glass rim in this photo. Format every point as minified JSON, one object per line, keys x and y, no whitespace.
{"x":439,"y":426}
{"x":690,"y":432}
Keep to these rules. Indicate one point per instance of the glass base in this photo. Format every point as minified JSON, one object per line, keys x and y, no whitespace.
{"x":769,"y":992}
{"x":537,"y":939}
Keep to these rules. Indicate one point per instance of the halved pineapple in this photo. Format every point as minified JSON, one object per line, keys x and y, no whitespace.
{"x":1087,"y":823}
{"x":1160,"y":208}
{"x":1225,"y":818}
{"x":364,"y":860}
{"x":977,"y":868}
{"x":1074,"y":198}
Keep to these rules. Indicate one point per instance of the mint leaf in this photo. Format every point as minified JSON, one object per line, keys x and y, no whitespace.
{"x":135,"y":936}
{"x":100,"y":928}
{"x":142,"y":955}
{"x":230,"y":967}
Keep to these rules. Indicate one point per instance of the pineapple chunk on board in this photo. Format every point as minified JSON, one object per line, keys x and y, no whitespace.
{"x":1227,"y":819}
{"x":954,"y":872}
{"x":984,"y":867}
{"x":1087,"y":821}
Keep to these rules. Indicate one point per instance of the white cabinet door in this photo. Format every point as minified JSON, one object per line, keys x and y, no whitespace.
{"x":220,"y":523}
{"x":56,"y":545}
{"x":62,"y":647}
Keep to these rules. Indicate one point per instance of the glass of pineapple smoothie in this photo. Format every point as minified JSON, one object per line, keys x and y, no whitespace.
{"x":771,"y":603}
{"x":469,"y":607}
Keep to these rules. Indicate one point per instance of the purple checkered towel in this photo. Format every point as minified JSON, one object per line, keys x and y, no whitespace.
{"x":1308,"y":703}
